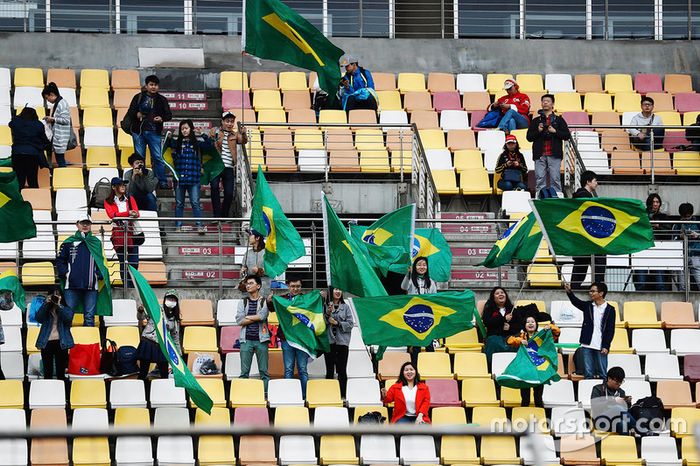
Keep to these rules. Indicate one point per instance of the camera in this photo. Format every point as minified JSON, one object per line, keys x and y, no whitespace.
{"x":54,"y":299}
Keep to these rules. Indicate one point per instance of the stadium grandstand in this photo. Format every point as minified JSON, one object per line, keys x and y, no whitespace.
{"x":437,"y":68}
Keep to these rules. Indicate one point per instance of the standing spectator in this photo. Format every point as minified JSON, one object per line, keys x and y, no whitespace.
{"x":640,"y":137}
{"x":147,"y":112}
{"x":55,"y":338}
{"x":79,"y":273}
{"x":547,"y":132}
{"x":589,"y":183}
{"x":254,"y":261}
{"x":597,"y":330}
{"x":500,"y":322}
{"x":120,"y":205}
{"x":610,"y":404}
{"x":149,"y":350}
{"x":290,"y":354}
{"x":656,"y":279}
{"x":29,"y":142}
{"x":511,"y":166}
{"x":340,"y":323}
{"x":252,"y":316}
{"x":141,"y":183}
{"x":418,"y":281}
{"x":356,"y":86}
{"x":226,"y":141}
{"x":514,"y":107}
{"x":411,"y":397}
{"x":692,"y":232}
{"x":60,"y":122}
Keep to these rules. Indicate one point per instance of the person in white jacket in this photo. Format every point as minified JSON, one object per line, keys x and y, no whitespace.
{"x":60,"y":121}
{"x":645,"y":122}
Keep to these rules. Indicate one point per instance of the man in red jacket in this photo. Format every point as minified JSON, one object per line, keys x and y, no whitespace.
{"x":515,"y":107}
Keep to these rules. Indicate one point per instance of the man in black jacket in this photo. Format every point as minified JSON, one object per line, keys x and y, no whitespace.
{"x":589,"y":183}
{"x":547,"y":132}
{"x":597,"y":330}
{"x":146,"y":114}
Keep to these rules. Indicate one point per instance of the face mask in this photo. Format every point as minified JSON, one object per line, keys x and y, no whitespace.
{"x":170,"y":303}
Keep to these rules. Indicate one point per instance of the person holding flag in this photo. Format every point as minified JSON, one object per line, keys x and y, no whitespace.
{"x":291,"y":355}
{"x":500,"y":321}
{"x":417,"y":281}
{"x":252,"y":315}
{"x":149,"y":350}
{"x":339,"y":322}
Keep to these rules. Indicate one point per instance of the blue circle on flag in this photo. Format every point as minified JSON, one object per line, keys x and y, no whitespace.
{"x":415,"y":248}
{"x":598,"y":222}
{"x":305,"y":320}
{"x":369,"y":239}
{"x":536,"y":359}
{"x":268,"y":225}
{"x":419,"y":317}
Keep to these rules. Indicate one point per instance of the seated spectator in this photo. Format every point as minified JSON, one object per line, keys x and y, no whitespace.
{"x":514,"y":107}
{"x":692,"y":232}
{"x":511,"y":166}
{"x":655,"y":280}
{"x":29,"y":143}
{"x":141,"y":182}
{"x":149,"y":350}
{"x":610,"y":404}
{"x":356,"y":86}
{"x":411,"y":397}
{"x":55,"y":338}
{"x":693,"y":135}
{"x":500,"y":322}
{"x":640,"y":137}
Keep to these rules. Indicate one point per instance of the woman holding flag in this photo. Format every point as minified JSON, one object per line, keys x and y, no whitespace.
{"x":340,"y":323}
{"x":417,"y":281}
{"x":500,"y":321}
{"x":149,"y":350}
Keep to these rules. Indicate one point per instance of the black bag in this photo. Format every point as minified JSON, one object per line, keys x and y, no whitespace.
{"x":650,"y":416}
{"x":107,"y":359}
{"x":126,"y":123}
{"x":100,"y":193}
{"x":125,"y":361}
{"x":374,"y":417}
{"x":548,"y":193}
{"x":512,"y":175}
{"x":578,"y":361}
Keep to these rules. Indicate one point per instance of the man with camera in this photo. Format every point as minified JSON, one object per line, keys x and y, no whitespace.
{"x":55,"y":338}
{"x":547,"y":132}
{"x":141,"y":183}
{"x":356,"y":86}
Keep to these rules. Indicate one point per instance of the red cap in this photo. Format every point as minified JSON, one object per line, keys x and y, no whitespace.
{"x":511,"y":138}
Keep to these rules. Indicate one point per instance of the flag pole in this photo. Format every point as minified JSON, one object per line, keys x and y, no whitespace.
{"x":545,"y":235}
{"x":324,"y":211}
{"x":243,"y":44}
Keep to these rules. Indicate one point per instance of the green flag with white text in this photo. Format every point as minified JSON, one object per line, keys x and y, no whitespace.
{"x":303,"y":323}
{"x":15,"y":213}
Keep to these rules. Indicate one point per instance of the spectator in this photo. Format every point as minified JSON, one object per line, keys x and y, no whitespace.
{"x":656,"y":279}
{"x":55,"y":338}
{"x":597,"y":330}
{"x":60,"y":122}
{"x":187,"y":157}
{"x":340,"y":323}
{"x":547,"y":132}
{"x":254,"y":261}
{"x":356,"y":86}
{"x":411,"y":397}
{"x":79,"y":273}
{"x":255,"y":336}
{"x":149,"y":350}
{"x":418,"y":281}
{"x":692,"y":232}
{"x":290,"y":354}
{"x":226,"y":141}
{"x":120,"y":205}
{"x":692,"y":134}
{"x":511,"y":166}
{"x":141,"y":183}
{"x":640,"y":137}
{"x":514,"y":107}
{"x":28,"y":145}
{"x":610,"y":404}
{"x":7,"y":302}
{"x":500,"y":322}
{"x":589,"y":183}
{"x":522,"y":340}
{"x":147,"y":112}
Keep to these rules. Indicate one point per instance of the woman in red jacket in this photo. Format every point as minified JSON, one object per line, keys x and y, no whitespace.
{"x":120,"y":204}
{"x":514,"y":106}
{"x":411,"y":397}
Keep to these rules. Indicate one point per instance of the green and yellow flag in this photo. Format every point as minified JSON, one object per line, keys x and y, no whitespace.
{"x":520,"y":241}
{"x":579,"y":227}
{"x":183,"y":376}
{"x":416,"y":320}
{"x":535,"y":364}
{"x":104,"y":286}
{"x":303,"y":324}
{"x":274,"y":31}
{"x":10,"y":281}
{"x":430,"y":243}
{"x":15,"y":213}
{"x":283,"y":244}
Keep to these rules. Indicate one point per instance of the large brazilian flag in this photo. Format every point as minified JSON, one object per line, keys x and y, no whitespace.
{"x":303,"y":323}
{"x":535,"y":364}
{"x":15,"y":213}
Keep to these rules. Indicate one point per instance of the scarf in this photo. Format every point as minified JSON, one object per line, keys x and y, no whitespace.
{"x":104,"y":289}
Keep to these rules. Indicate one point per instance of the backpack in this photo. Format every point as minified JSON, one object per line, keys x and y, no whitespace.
{"x":205,"y":365}
{"x":107,"y":360}
{"x":548,"y":193}
{"x":101,"y":191}
{"x":84,"y":359}
{"x":125,"y":361}
{"x":649,"y":413}
{"x":373,"y":417}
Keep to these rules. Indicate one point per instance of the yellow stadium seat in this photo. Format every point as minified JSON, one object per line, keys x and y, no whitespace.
{"x":615,"y":83}
{"x":409,"y":82}
{"x":247,"y":392}
{"x":619,"y":450}
{"x":641,"y":314}
{"x":93,"y":451}
{"x":293,"y":81}
{"x":94,"y":78}
{"x":524,"y":144}
{"x":369,"y":139}
{"x":332,"y":116}
{"x":68,"y":177}
{"x":199,"y":339}
{"x":85,"y":335}
{"x":38,"y":273}
{"x":401,"y":159}
{"x":499,"y":450}
{"x":468,"y":159}
{"x":432,"y":138}
{"x":689,"y":118}
{"x":475,"y":182}
{"x":567,"y":102}
{"x":597,"y":102}
{"x":271,"y":116}
{"x":620,"y":342}
{"x":521,"y":417}
{"x":530,"y":83}
{"x":470,"y":364}
{"x":29,"y":77}
{"x":619,"y":322}
{"x":687,"y":163}
{"x":125,"y":143}
{"x":486,"y":416}
{"x":291,"y":416}
{"x":374,"y":161}
{"x":445,"y":181}
{"x":543,"y":253}
{"x":88,"y":393}
{"x":689,"y":451}
{"x":684,"y":421}
{"x":323,"y":393}
{"x":101,"y":157}
{"x":215,"y":390}
{"x":115,"y":278}
{"x":11,"y":394}
{"x":233,"y":81}
{"x":458,"y":449}
{"x":494,"y":82}
{"x":389,"y":100}
{"x":543,"y":275}
{"x":362,"y":410}
{"x":337,"y":449}
{"x":124,"y":336}
{"x":541,"y":306}
{"x":5,"y":136}
{"x":267,"y":99}
{"x":132,"y":417}
{"x":627,"y":102}
{"x":215,"y":449}
{"x":308,"y":138}
{"x":97,"y":117}
{"x":671,"y":118}
{"x":30,"y":340}
{"x":510,"y":397}
{"x":448,"y":415}
{"x":435,"y":366}
{"x":468,"y":340}
{"x":479,"y":392}
{"x":91,"y":97}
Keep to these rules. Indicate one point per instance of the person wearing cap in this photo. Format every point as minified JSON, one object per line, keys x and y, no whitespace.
{"x":547,"y":132}
{"x":511,"y":166}
{"x":514,"y":106}
{"x":356,"y":86}
{"x":226,"y":140}
{"x":141,"y":182}
{"x":149,"y":349}
{"x":117,"y":206}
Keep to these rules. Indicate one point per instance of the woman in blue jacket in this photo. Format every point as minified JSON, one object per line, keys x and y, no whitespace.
{"x":54,"y":338}
{"x":29,"y":143}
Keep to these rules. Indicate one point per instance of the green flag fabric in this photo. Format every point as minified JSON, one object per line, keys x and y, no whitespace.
{"x":415,"y":320}
{"x":104,"y":286}
{"x":535,"y":364}
{"x":15,"y":213}
{"x":283,"y":244}
{"x":347,"y":267}
{"x":10,"y":281}
{"x":274,"y":31}
{"x":430,"y":243}
{"x":578,"y":227}
{"x":520,"y":241}
{"x":387,"y":242}
{"x":183,"y":376}
{"x":303,"y":323}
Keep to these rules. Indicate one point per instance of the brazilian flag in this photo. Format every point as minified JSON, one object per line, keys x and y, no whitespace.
{"x":579,"y":227}
{"x":15,"y":213}
{"x":416,"y":320}
{"x":104,"y":286}
{"x":535,"y":364}
{"x":9,"y":281}
{"x":303,"y":324}
{"x":519,"y":241}
{"x":283,"y":244}
{"x":430,"y":243}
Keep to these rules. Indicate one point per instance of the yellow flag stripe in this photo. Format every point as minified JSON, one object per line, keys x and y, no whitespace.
{"x":290,"y":33}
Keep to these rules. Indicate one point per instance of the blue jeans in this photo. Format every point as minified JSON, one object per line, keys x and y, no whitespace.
{"x":152,"y":139}
{"x":290,"y":355}
{"x":89,"y":300}
{"x":504,"y":185}
{"x":651,"y":280}
{"x":60,"y":160}
{"x":595,"y":363}
{"x":228,"y":178}
{"x":193,"y":192}
{"x":261,"y":353}
{"x":146,"y":201}
{"x":512,"y":120}
{"x":406,"y":420}
{"x":133,"y":260}
{"x":645,"y":145}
